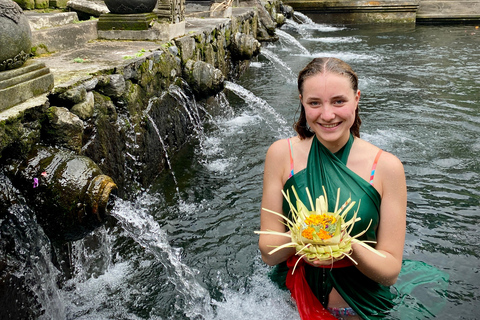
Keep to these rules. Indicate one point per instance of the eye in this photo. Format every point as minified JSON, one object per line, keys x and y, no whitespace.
{"x":339,"y":101}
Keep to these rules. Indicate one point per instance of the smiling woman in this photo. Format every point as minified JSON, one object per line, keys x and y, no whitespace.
{"x":330,"y":155}
{"x":330,"y":104}
{"x":313,"y":77}
{"x":326,"y":156}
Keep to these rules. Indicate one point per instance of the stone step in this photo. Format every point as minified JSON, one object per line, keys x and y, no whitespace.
{"x":64,"y":37}
{"x":448,"y":10}
{"x":26,"y":82}
{"x":49,"y":20}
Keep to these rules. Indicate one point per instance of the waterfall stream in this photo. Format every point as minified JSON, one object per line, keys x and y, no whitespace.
{"x":142,"y":228}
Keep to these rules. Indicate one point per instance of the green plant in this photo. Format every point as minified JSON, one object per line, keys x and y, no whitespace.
{"x":79,"y":60}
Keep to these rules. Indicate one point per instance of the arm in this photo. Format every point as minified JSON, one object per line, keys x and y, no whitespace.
{"x":391,"y":230}
{"x":276,"y":162}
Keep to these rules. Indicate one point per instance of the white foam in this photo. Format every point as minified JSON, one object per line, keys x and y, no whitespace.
{"x":335,"y":40}
{"x":348,"y":56}
{"x":262,"y":301}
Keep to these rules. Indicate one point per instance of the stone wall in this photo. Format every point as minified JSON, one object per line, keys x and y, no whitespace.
{"x":115,"y":117}
{"x":448,"y":11}
{"x":113,"y":128}
{"x":358,"y":11}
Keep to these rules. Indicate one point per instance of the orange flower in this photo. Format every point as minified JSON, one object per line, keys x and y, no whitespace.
{"x":308,"y":233}
{"x":320,"y":219}
{"x":322,"y":234}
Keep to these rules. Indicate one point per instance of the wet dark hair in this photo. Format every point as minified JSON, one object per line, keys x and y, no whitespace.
{"x":318,"y":66}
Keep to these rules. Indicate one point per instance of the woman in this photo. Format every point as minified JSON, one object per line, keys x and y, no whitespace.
{"x":328,"y":152}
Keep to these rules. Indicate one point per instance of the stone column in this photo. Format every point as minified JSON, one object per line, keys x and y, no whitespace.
{"x":172,"y":11}
{"x":165,"y":22}
{"x":221,"y":8}
{"x":20,"y":79}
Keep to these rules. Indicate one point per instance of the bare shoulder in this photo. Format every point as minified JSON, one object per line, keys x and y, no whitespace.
{"x":389,"y":168}
{"x":390,"y":172}
{"x":278,"y":150}
{"x":387,"y":160}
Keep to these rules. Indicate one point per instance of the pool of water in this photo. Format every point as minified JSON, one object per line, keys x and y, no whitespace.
{"x":185,"y":248}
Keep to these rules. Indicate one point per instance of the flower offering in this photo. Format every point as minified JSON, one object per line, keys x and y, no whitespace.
{"x":318,"y":234}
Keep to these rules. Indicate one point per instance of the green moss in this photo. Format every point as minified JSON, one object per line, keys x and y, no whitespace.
{"x":228,"y":34}
{"x":40,"y":50}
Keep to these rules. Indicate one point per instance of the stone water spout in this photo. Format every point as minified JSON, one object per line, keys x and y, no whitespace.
{"x":68,"y":192}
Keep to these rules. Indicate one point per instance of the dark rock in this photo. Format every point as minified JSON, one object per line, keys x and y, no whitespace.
{"x":113,"y":85}
{"x":74,"y":95}
{"x":63,"y":128}
{"x":204,"y":78}
{"x":68,"y":192}
{"x":130,"y":6}
{"x":244,"y":47}
{"x":84,"y":110}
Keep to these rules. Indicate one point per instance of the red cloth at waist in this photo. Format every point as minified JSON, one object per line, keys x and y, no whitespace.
{"x":309,"y":307}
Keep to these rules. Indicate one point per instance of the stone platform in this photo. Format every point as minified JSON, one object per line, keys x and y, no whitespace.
{"x":389,"y":11}
{"x":449,"y":11}
{"x":357,"y":11}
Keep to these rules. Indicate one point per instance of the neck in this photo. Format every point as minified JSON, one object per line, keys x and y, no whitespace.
{"x":335,"y":146}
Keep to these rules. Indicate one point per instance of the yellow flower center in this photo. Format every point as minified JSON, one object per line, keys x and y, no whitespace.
{"x":323,"y":225}
{"x":320,"y":219}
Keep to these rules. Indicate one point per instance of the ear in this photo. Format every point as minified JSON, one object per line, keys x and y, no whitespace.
{"x":357,"y":97}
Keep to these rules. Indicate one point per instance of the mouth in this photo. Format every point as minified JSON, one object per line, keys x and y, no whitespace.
{"x":330,"y":125}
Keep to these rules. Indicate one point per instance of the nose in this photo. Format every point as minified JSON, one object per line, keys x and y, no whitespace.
{"x":328,"y":113}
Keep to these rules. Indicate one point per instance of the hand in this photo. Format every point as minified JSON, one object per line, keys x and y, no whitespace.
{"x":318,"y":263}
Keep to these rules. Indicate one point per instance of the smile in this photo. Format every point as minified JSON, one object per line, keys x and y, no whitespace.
{"x":333,"y":125}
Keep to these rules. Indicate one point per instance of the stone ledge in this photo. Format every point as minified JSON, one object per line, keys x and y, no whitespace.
{"x":159,"y":31}
{"x":49,"y":20}
{"x":17,"y":110}
{"x":352,"y":5}
{"x":65,"y":37}
{"x":24,"y":83}
{"x":453,"y":11}
{"x":357,"y":12}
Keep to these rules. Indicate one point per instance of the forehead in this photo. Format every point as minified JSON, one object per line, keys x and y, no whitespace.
{"x":327,"y":83}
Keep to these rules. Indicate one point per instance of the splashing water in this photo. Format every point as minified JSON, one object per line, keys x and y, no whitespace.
{"x":144,"y":230}
{"x":289,"y":39}
{"x":277,"y":62}
{"x":278,"y":123}
{"x":167,"y":158}
{"x":190,"y":106}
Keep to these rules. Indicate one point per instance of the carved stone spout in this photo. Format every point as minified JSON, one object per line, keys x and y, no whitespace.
{"x":68,"y":192}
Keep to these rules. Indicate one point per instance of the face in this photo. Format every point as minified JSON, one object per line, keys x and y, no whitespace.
{"x":330,"y":103}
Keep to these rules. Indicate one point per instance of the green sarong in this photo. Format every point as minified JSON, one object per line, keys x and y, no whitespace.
{"x":368,"y":298}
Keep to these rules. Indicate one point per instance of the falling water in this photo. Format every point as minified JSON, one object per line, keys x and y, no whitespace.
{"x":141,"y":227}
{"x":289,"y":39}
{"x":279,"y":64}
{"x":190,"y":106}
{"x":274,"y":120}
{"x":29,"y":265}
{"x":167,"y":158}
{"x":308,"y":23}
